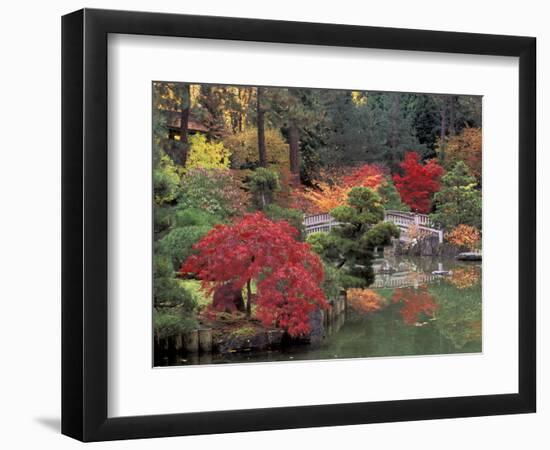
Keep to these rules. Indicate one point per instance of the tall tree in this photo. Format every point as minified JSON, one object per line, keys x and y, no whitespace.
{"x":452,"y":118}
{"x":294,"y":149}
{"x":443,"y":118}
{"x":459,"y":201}
{"x":183,"y":144}
{"x":295,"y":109}
{"x":260,"y":113}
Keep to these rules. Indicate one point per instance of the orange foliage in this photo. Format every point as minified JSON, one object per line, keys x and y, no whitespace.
{"x":326,"y":197}
{"x":415,"y":302}
{"x":333,"y":190}
{"x":364,"y":300}
{"x":466,"y":147}
{"x":465,"y":236}
{"x":465,"y":278}
{"x":368,"y":175}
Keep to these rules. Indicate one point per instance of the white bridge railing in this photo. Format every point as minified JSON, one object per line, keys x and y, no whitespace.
{"x":404,"y":220}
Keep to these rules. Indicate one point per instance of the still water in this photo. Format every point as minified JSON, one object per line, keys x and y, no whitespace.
{"x":416,"y":306}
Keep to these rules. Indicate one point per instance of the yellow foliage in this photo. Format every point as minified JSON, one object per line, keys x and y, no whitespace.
{"x":206,"y":155}
{"x":244,"y":148}
{"x":465,"y":278}
{"x":326,"y":197}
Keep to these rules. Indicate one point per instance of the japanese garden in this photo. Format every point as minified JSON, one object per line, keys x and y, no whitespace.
{"x":313,"y":224}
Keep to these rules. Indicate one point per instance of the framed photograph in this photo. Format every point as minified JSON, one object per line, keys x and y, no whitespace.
{"x":273,"y":224}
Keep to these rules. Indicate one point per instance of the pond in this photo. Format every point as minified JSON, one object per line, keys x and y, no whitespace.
{"x":416,"y":306}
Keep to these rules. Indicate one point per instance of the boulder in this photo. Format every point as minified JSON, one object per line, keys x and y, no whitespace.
{"x":257,"y":341}
{"x":469,"y":256}
{"x":316,"y":325}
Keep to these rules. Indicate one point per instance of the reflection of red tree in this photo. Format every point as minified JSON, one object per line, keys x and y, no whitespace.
{"x":415,"y":302}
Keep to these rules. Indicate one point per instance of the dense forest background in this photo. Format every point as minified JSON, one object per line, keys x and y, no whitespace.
{"x":313,"y":128}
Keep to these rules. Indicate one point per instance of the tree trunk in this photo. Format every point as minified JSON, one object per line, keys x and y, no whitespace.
{"x":395,"y":113}
{"x":293,"y":145}
{"x":248,"y":299}
{"x":261,"y":128}
{"x":184,"y":124}
{"x":452,"y":131}
{"x":443,"y":127}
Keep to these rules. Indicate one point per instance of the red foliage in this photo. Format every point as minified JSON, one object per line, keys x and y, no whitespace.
{"x":367,"y":175}
{"x":415,"y":302}
{"x":418,"y":183}
{"x":286,"y":271}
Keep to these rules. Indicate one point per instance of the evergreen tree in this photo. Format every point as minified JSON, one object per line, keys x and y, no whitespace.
{"x":459,"y":201}
{"x":350,"y":245}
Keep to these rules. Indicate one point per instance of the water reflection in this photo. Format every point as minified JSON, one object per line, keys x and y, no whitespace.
{"x":417,"y":306}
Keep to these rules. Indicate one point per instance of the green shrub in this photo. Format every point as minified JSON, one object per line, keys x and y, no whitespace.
{"x":163,"y":218}
{"x":171,"y":323}
{"x":167,"y":291}
{"x":380,"y":234}
{"x":332,"y":283}
{"x":202,"y":299}
{"x":195,"y":217}
{"x":166,"y":181}
{"x":177,"y":244}
{"x":263,"y":184}
{"x":391,"y":200}
{"x":214,"y":191}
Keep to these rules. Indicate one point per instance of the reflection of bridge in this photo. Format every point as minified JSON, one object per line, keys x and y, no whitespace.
{"x":404,"y":220}
{"x":407,"y":280}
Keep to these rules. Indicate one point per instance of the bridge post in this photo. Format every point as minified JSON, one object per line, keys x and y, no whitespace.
{"x":440,"y":235}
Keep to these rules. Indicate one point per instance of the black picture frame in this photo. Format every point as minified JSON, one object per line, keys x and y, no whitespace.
{"x":84,"y":224}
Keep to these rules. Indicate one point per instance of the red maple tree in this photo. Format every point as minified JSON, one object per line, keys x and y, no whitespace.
{"x":287,"y":273}
{"x":418,"y":183}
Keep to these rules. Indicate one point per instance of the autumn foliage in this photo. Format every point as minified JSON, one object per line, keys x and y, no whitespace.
{"x":464,"y":278}
{"x":333,"y":191}
{"x":367,"y":175}
{"x":287,"y":273}
{"x":465,"y":147}
{"x":415,"y":302}
{"x":465,"y":236}
{"x":418,"y":183}
{"x":364,"y":300}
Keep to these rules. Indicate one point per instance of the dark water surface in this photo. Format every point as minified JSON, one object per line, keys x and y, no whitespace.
{"x":418,"y":313}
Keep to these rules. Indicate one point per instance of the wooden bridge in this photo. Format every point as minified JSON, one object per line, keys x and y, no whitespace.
{"x":404,"y":220}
